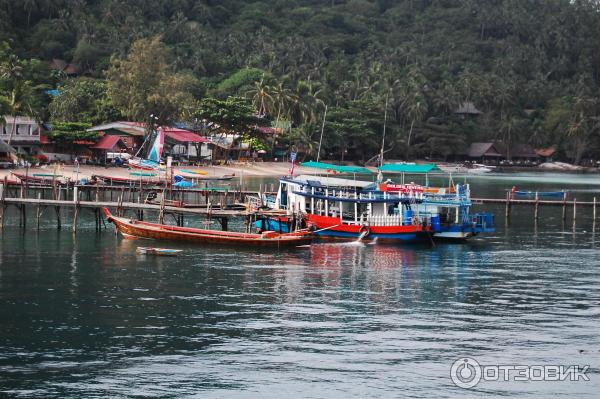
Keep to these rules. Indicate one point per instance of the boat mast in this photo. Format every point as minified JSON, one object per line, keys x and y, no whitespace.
{"x":322,"y":129}
{"x":149,"y":135}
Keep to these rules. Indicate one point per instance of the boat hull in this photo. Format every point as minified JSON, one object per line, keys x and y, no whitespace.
{"x":155,"y":231}
{"x":37,"y":180}
{"x":143,"y":164}
{"x":330,"y":227}
{"x":125,"y":181}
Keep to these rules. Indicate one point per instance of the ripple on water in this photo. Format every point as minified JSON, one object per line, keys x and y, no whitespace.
{"x":349,"y":320}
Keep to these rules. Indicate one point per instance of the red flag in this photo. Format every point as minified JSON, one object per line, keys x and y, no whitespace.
{"x":293,"y":159}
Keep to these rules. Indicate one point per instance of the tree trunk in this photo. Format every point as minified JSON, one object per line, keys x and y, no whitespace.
{"x":12,"y":130}
{"x":579,"y":150}
{"x":508,"y":142}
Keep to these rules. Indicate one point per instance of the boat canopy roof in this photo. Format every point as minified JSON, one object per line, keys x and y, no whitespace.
{"x":337,"y":168}
{"x":326,"y":181}
{"x":409,"y":168}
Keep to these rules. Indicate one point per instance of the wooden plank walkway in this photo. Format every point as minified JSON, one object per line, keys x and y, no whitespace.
{"x":212,"y":211}
{"x":503,"y":201}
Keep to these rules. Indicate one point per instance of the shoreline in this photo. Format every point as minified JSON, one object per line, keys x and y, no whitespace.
{"x":258,"y":169}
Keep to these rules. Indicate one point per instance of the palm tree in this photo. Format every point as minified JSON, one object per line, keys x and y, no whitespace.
{"x":509,"y":125}
{"x":416,"y":109}
{"x":262,"y":98}
{"x":304,"y":138}
{"x":20,"y":92}
{"x":446,"y":97}
{"x":20,"y":102}
{"x":584,"y":122}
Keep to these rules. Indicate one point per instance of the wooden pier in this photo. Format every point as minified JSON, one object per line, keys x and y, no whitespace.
{"x":220,"y":204}
{"x":536,"y":203}
{"x":210,"y":204}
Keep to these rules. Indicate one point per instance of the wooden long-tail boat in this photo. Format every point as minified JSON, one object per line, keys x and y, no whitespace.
{"x":138,"y":229}
{"x":128,"y":181}
{"x":39,"y":179}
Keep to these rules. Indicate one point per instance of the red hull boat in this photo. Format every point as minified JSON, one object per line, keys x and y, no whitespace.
{"x":139,"y":229}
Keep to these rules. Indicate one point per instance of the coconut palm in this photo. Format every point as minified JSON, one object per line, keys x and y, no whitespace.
{"x":262,"y":98}
{"x":416,"y":109}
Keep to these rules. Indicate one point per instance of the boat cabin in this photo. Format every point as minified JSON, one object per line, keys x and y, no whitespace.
{"x":351,"y":201}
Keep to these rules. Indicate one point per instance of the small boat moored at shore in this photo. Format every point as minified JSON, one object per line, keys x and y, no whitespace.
{"x":158,"y":251}
{"x":39,"y":178}
{"x":537,"y":194}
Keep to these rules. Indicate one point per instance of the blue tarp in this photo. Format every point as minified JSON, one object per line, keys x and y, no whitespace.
{"x":409,"y":168}
{"x":184,"y":184}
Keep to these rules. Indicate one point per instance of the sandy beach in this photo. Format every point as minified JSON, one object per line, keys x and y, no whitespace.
{"x":258,"y":169}
{"x":243,"y":170}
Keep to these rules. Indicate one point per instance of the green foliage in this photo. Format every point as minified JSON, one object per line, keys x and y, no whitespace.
{"x":355,"y":130}
{"x":145,"y":83}
{"x":68,"y":132}
{"x":427,"y":57}
{"x":239,"y":83}
{"x":235,"y":114}
{"x":84,"y":100}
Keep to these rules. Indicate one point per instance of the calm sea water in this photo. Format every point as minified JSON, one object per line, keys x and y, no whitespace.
{"x":85,"y":316}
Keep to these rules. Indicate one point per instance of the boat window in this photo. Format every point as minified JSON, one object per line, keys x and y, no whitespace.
{"x":284,"y":196}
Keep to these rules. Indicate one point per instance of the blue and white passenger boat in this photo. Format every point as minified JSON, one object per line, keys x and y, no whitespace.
{"x":349,"y":208}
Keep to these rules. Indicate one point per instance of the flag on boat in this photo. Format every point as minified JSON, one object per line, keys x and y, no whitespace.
{"x":293,"y":159}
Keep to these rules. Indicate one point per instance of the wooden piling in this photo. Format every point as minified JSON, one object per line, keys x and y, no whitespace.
{"x":120,"y":202}
{"x":537,"y":207}
{"x":564,"y":207}
{"x":57,"y":210}
{"x":38,"y":212}
{"x":26,"y":180}
{"x":2,"y":201}
{"x":161,"y":214}
{"x":76,"y":209}
{"x":507,"y":209}
{"x":574,"y":212}
{"x":594,"y":216}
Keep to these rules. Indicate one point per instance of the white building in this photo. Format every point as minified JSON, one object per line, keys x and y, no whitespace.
{"x":26,"y":133}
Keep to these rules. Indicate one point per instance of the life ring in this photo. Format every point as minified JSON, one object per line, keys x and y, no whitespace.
{"x":364,"y":231}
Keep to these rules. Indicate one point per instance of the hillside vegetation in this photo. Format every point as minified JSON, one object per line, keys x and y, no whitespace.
{"x":532,"y":67}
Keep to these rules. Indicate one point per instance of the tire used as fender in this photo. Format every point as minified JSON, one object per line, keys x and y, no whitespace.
{"x":364,"y":229}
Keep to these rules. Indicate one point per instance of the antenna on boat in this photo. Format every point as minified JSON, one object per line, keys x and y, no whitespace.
{"x":322,"y":129}
{"x":387,"y":95}
{"x":379,"y":174}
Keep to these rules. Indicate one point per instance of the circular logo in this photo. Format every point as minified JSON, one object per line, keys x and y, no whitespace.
{"x":465,"y":372}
